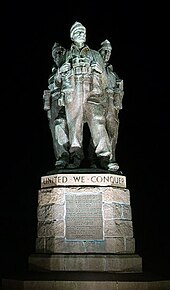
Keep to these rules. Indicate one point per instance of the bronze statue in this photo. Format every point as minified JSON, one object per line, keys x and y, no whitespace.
{"x":83,"y":83}
{"x":114,"y":94}
{"x":83,"y":89}
{"x":53,"y":104}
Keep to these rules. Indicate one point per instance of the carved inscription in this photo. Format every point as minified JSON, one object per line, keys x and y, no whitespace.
{"x":84,"y":219}
{"x":107,"y":179}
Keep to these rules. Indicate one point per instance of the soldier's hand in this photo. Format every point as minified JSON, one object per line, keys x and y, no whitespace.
{"x":96,"y":67}
{"x":65,"y":67}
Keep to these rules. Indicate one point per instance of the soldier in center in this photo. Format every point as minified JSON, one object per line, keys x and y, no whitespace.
{"x":84,"y":81}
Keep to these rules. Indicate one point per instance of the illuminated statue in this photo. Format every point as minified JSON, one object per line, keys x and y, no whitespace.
{"x":53,"y":104}
{"x":84,"y":80}
{"x":114,"y":94}
{"x":83,"y":89}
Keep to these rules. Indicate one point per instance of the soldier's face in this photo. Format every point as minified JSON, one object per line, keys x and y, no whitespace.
{"x":79,"y":36}
{"x":57,"y":56}
{"x":106,"y":53}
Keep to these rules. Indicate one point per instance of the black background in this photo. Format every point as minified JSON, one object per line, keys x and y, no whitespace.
{"x":138,"y":32}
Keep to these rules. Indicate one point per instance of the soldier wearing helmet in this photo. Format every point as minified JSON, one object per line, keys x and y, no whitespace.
{"x":114,"y":93}
{"x":53,"y":104}
{"x":83,"y":82}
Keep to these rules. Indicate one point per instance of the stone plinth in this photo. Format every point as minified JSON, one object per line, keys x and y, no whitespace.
{"x":83,"y":215}
{"x":88,"y":262}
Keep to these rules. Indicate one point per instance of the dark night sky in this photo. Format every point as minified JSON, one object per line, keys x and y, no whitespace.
{"x":138,"y":33}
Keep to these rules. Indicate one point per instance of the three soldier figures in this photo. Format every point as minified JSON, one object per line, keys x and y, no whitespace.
{"x":83,"y":89}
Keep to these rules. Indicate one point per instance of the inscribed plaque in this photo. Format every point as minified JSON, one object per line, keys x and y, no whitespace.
{"x":84,"y":220}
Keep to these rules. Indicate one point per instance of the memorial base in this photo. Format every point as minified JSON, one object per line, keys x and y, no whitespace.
{"x":85,"y":224}
{"x":85,"y":237}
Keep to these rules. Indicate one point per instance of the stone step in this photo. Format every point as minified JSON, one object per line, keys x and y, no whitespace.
{"x":63,"y":280}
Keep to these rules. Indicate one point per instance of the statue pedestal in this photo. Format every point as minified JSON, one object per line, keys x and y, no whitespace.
{"x":84,"y":224}
{"x":84,"y":237}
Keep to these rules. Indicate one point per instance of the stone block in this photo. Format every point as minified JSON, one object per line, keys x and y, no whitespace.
{"x":118,"y":228}
{"x":114,"y":245}
{"x":50,"y":196}
{"x":54,"y":211}
{"x":117,"y":195}
{"x":40,"y":245}
{"x":130,"y":245}
{"x":51,"y":229}
{"x":126,"y":212}
{"x":112,"y":211}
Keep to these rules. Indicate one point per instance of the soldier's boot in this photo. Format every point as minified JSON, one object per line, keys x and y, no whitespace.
{"x":75,"y":158}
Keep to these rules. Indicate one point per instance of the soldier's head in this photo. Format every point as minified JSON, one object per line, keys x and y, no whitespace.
{"x":78,"y":33}
{"x":105,"y":50}
{"x":58,"y":52}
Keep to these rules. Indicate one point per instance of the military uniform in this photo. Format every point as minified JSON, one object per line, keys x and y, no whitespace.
{"x":83,"y":86}
{"x":54,"y":106}
{"x":114,"y":94}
